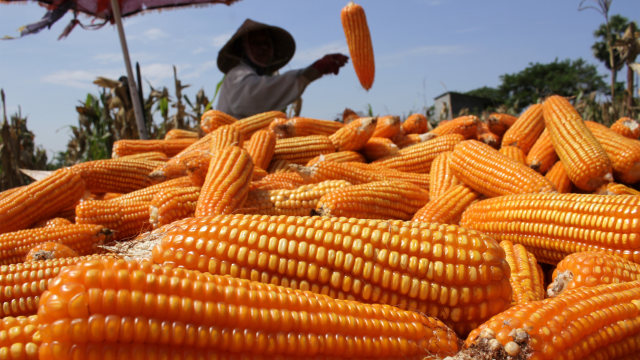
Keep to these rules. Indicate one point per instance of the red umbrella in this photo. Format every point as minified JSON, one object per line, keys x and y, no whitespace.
{"x":111,"y":11}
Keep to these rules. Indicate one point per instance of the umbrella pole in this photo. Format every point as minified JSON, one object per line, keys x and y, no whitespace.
{"x":137,"y":107}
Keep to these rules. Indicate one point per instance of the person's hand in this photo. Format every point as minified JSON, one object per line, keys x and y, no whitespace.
{"x":330,"y":63}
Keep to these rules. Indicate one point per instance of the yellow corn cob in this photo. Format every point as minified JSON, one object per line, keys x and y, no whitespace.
{"x":448,"y":206}
{"x":125,"y":218}
{"x":181,"y":134}
{"x":405,"y":140}
{"x":627,"y":127}
{"x":261,"y":146}
{"x":623,"y":152}
{"x":176,"y":166}
{"x":331,"y":170}
{"x":552,"y":226}
{"x":387,"y":126}
{"x":40,"y":200}
{"x":162,"y":311}
{"x":19,"y":337}
{"x":276,"y":166}
{"x":338,"y":156}
{"x":57,"y":221}
{"x":148,"y":155}
{"x":300,"y":201}
{"x":213,"y":119}
{"x":586,"y":323}
{"x":223,"y":136}
{"x":527,"y":279}
{"x":465,"y":125}
{"x":147,"y":193}
{"x":227,"y":183}
{"x":135,"y":146}
{"x":415,"y":123}
{"x":500,"y":122}
{"x":583,"y":157}
{"x":557,"y":175}
{"x":484,"y":134}
{"x":441,"y":177}
{"x":173,"y":204}
{"x":82,"y":238}
{"x":616,"y":189}
{"x":487,"y":171}
{"x":378,"y":147}
{"x":116,"y":175}
{"x":22,"y":284}
{"x":440,"y":270}
{"x":354,"y":135}
{"x":374,"y":200}
{"x":49,"y":250}
{"x":526,"y":129}
{"x":299,"y":150}
{"x":356,"y":31}
{"x":279,"y":180}
{"x":253,"y":123}
{"x":303,"y":126}
{"x":418,"y":157}
{"x":542,"y":155}
{"x":419,"y":179}
{"x":514,"y":153}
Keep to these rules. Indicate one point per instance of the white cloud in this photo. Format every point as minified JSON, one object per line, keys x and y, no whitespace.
{"x":219,"y":40}
{"x":159,"y":73}
{"x":198,"y":71}
{"x":82,"y":79}
{"x":199,"y":50}
{"x":108,"y":58}
{"x":154,"y":34}
{"x":307,"y":56}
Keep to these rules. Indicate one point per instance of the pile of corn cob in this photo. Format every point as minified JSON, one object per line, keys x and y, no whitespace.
{"x":295,"y":237}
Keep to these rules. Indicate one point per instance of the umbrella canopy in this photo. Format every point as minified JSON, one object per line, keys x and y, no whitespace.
{"x":110,"y":11}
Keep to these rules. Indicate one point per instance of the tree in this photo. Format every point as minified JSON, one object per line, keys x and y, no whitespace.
{"x":488,"y":93}
{"x":537,"y":81}
{"x":628,"y":48}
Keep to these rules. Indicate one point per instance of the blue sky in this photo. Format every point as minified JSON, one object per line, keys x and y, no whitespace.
{"x":422,"y":49}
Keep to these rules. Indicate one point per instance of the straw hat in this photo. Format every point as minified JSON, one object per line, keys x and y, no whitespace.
{"x":232,"y":52}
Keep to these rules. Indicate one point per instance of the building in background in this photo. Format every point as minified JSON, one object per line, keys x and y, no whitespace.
{"x":449,"y":105}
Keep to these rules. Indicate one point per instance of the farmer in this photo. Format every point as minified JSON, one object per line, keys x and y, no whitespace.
{"x":250,"y":60}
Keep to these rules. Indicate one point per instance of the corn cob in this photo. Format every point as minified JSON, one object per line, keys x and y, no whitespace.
{"x":591,"y":268}
{"x":378,"y":147}
{"x":623,"y":152}
{"x":253,"y":123}
{"x":557,"y":175}
{"x":170,"y":147}
{"x":83,"y":239}
{"x":466,"y":125}
{"x":415,"y":123}
{"x":40,"y":200}
{"x":147,"y":193}
{"x":552,"y":226}
{"x":57,"y":221}
{"x":514,"y":153}
{"x":616,"y":189}
{"x":542,"y":155}
{"x":441,"y":177}
{"x":173,"y":204}
{"x":387,"y":126}
{"x":354,"y":135}
{"x":148,"y":156}
{"x":500,"y":122}
{"x":583,"y":157}
{"x":49,"y":250}
{"x":227,"y":183}
{"x":349,"y":115}
{"x":487,"y":171}
{"x":261,"y":147}
{"x":527,"y":279}
{"x":374,"y":200}
{"x":338,"y":156}
{"x":279,"y":180}
{"x":176,"y":166}
{"x":418,"y":157}
{"x":459,"y":276}
{"x":419,"y":179}
{"x":356,"y":31}
{"x":299,"y":150}
{"x":587,"y":323}
{"x":331,"y":170}
{"x":405,"y":140}
{"x":448,"y":207}
{"x":627,"y":127}
{"x":526,"y":129}
{"x":484,"y":134}
{"x":19,"y":338}
{"x":165,"y":311}
{"x":198,"y":165}
{"x":213,"y":119}
{"x":115,"y":175}
{"x":300,"y":201}
{"x":276,"y":166}
{"x":303,"y":126}
{"x":22,"y":284}
{"x":126,"y":218}
{"x":181,"y":134}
